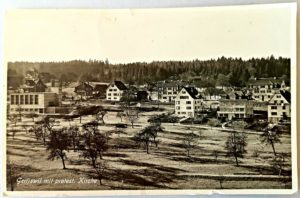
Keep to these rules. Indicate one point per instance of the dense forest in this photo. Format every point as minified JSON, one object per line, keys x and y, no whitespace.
{"x":222,"y":71}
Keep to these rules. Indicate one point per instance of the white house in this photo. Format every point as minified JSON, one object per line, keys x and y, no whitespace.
{"x":187,"y":102}
{"x":32,"y":102}
{"x":115,"y":91}
{"x":168,"y":90}
{"x":279,"y":107}
{"x":241,"y":108}
{"x":264,"y":88}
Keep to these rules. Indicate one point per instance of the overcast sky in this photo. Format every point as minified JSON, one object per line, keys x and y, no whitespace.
{"x":124,"y":36}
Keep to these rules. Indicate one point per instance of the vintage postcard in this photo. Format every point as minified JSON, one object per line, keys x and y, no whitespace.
{"x":151,"y":101}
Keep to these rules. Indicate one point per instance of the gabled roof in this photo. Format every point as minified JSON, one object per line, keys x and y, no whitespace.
{"x":100,"y":87}
{"x":120,"y":85}
{"x":286,"y":95}
{"x":83,"y":86}
{"x":192,"y":92}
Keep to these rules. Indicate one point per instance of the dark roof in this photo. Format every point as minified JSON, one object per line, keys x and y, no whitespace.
{"x":286,"y":95}
{"x":120,"y":85}
{"x":192,"y":92}
{"x":100,"y":87}
{"x":84,"y":87}
{"x":30,"y":82}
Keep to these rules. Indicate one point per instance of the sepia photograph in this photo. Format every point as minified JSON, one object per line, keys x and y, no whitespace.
{"x":169,"y":99}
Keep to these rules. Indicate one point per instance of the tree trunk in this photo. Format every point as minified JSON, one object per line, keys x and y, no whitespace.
{"x":63,"y":161}
{"x":94,"y":163}
{"x":80,"y":119}
{"x":273,"y":147}
{"x":100,"y":155}
{"x":236,"y":160}
{"x":132,"y":124}
{"x":147,"y":147}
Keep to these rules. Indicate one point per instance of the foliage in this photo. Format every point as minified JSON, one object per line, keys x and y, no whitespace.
{"x":59,"y":143}
{"x":235,"y":145}
{"x":271,"y":136}
{"x":189,"y":142}
{"x":235,"y":70}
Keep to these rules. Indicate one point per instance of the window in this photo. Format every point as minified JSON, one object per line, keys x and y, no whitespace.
{"x":273,"y":113}
{"x":31,"y":99}
{"x":278,"y":96}
{"x":164,"y":97}
{"x":115,"y":94}
{"x":41,"y":110}
{"x":12,"y":99}
{"x":177,"y":108}
{"x":175,"y":92}
{"x":177,"y":102}
{"x":21,"y":99}
{"x":242,"y":109}
{"x":115,"y":98}
{"x":184,"y":92}
{"x":283,"y":107}
{"x":109,"y":94}
{"x":183,"y":112}
{"x":36,"y":99}
{"x":115,"y":90}
{"x":189,"y":108}
{"x":188,"y":102}
{"x":273,"y":107}
{"x":109,"y":98}
{"x":184,"y":97}
{"x":17,"y":99}
{"x":110,"y":90}
{"x":26,"y":99}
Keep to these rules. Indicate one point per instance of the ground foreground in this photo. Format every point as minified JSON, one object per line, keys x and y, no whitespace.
{"x":165,"y":167}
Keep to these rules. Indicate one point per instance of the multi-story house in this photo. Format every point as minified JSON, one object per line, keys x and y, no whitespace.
{"x":264,"y":88}
{"x":279,"y":107}
{"x":167,"y":91}
{"x":187,"y":102}
{"x":115,"y":91}
{"x":84,"y":90}
{"x":32,"y":102}
{"x":231,"y":109}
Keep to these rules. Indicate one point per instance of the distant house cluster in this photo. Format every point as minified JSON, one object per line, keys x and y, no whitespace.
{"x":267,"y":98}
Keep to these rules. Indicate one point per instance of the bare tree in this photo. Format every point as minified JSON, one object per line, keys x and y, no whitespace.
{"x":59,"y":143}
{"x":148,"y":135}
{"x":235,"y":145}
{"x":271,"y":136}
{"x":100,"y":169}
{"x":100,"y":115}
{"x":278,"y":163}
{"x":95,"y":144}
{"x":74,"y":135}
{"x":20,"y":112}
{"x":47,"y":124}
{"x":132,"y":116}
{"x":37,"y":131}
{"x":189,"y":142}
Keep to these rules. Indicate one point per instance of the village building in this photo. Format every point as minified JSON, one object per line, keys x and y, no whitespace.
{"x":188,"y":103}
{"x":99,"y":91}
{"x":168,"y":90}
{"x":279,"y":107}
{"x":84,"y":90}
{"x":115,"y":91}
{"x":264,"y":88}
{"x":33,"y":86}
{"x":32,"y":102}
{"x":235,"y":109}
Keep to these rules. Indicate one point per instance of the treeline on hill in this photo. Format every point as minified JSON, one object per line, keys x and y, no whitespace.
{"x":231,"y":71}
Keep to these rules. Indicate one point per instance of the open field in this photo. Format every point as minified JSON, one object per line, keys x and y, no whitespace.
{"x":166,"y":166}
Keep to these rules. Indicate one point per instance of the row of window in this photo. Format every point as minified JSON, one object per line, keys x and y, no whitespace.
{"x":24,"y":99}
{"x":115,"y":94}
{"x":113,"y":90}
{"x":275,"y":107}
{"x":186,"y":102}
{"x":40,"y":110}
{"x":187,"y":108}
{"x":275,"y":114}
{"x":110,"y":98}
